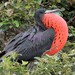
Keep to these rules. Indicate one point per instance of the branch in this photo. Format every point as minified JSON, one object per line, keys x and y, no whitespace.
{"x":71,"y":20}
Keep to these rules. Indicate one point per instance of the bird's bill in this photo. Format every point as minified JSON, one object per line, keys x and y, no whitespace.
{"x":52,"y":11}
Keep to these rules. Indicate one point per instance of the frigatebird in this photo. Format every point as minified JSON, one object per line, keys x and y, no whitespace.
{"x":48,"y":36}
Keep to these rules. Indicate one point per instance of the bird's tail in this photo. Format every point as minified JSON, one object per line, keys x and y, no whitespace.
{"x":2,"y":53}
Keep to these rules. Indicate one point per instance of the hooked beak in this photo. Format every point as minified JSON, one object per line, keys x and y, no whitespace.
{"x":52,"y":11}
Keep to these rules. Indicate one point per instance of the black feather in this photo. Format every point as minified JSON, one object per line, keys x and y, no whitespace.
{"x":34,"y":47}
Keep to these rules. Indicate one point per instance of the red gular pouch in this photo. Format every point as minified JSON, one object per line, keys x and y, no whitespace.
{"x":61,"y":31}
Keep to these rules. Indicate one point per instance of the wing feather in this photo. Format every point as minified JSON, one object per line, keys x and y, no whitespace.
{"x":35,"y":47}
{"x":27,"y":47}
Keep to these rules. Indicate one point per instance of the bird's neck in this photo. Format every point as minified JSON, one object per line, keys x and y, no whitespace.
{"x":41,"y":27}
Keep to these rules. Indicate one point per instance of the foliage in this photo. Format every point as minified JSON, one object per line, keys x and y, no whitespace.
{"x":8,"y":67}
{"x":17,"y":13}
{"x":61,"y":64}
{"x":53,"y":65}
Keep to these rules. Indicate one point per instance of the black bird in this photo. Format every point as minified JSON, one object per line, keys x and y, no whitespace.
{"x":34,"y":42}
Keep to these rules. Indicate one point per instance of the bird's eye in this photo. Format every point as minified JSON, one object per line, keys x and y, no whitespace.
{"x":41,"y":12}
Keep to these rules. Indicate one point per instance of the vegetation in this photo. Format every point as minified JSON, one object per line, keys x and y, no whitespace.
{"x":17,"y":16}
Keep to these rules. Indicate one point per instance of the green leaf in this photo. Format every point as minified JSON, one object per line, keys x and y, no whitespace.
{"x":1,"y":24}
{"x":24,"y":62}
{"x":58,"y":1}
{"x":73,"y":73}
{"x":39,"y":1}
{"x":27,"y":7}
{"x":16,"y":23}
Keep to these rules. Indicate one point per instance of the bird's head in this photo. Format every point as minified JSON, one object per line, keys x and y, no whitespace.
{"x":40,"y":13}
{"x":49,"y":19}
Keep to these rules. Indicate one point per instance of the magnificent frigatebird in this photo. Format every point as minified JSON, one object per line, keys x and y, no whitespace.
{"x":48,"y":36}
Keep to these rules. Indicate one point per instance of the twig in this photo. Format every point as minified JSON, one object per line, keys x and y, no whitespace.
{"x":71,"y":20}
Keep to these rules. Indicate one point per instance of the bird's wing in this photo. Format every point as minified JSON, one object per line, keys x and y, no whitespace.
{"x":18,"y":39}
{"x":36,"y":46}
{"x":32,"y":47}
